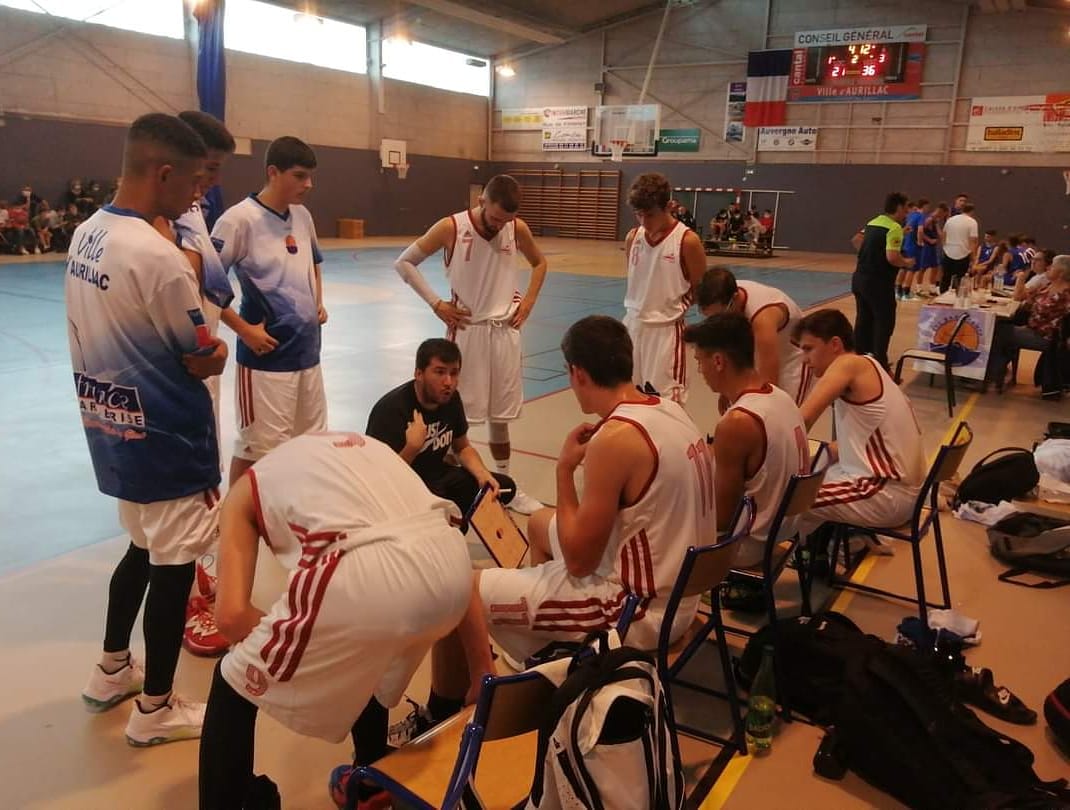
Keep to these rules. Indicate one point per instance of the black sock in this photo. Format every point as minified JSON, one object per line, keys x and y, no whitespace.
{"x":226,"y":755}
{"x":441,"y":708}
{"x":125,"y":593}
{"x":369,"y":734}
{"x":165,"y":622}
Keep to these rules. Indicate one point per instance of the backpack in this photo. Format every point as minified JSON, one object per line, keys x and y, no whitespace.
{"x":899,"y":728}
{"x":1057,"y":712}
{"x":993,"y":479}
{"x":1029,"y":542}
{"x":608,"y":740}
{"x":812,"y":655}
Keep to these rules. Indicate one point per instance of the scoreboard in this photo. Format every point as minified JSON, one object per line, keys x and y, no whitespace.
{"x":857,"y":65}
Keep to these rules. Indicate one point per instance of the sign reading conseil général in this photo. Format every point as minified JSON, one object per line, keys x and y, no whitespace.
{"x":678,"y":140}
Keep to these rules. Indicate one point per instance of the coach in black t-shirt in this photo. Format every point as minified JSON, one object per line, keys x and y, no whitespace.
{"x":423,"y":419}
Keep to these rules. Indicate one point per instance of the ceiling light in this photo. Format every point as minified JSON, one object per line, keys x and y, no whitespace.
{"x":505,"y":71}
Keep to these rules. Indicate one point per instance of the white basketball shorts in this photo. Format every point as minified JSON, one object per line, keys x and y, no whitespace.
{"x":174,"y":532}
{"x":274,"y":406}
{"x":659,"y":357}
{"x":491,"y":383}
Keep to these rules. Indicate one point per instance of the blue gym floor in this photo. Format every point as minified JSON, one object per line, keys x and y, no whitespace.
{"x":48,"y":497}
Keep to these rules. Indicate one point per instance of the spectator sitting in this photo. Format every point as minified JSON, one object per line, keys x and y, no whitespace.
{"x":682,"y":214}
{"x":18,"y":231}
{"x":1037,"y":277}
{"x":1045,"y":308}
{"x":736,"y":219}
{"x":113,"y":190}
{"x":70,"y":220}
{"x":26,"y":196}
{"x":718,"y":224}
{"x":77,"y":195}
{"x":45,"y":224}
{"x":96,"y":194}
{"x":753,"y":227}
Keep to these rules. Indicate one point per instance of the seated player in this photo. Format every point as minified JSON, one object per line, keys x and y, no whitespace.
{"x":377,"y":574}
{"x":772,"y":315}
{"x":718,"y":224}
{"x":647,"y":496}
{"x":760,"y":442}
{"x":423,"y":419}
{"x":878,"y":462}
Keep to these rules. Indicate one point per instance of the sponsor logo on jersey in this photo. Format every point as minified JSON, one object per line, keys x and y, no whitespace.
{"x":204,"y":335}
{"x":115,"y":409}
{"x":291,"y":245}
{"x":218,"y":243}
{"x":256,"y":682}
{"x":669,"y":257}
{"x":349,"y":440}
{"x":85,"y":257}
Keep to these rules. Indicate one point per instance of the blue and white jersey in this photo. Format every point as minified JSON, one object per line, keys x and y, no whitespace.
{"x":191,"y":233}
{"x":133,"y":310}
{"x":274,"y":257}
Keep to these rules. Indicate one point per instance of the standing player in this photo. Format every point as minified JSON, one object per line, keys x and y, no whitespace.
{"x":916,"y":215}
{"x":929,"y":238}
{"x":878,"y":464}
{"x":665,"y":263}
{"x":772,"y":316}
{"x":270,"y":242}
{"x":485,"y":310}
{"x":140,"y":347}
{"x":190,"y":233}
{"x":648,"y":494}
{"x":377,"y":574}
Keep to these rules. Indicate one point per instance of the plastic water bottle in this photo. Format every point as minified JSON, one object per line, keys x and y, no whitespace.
{"x":761,"y":708}
{"x":964,"y":292}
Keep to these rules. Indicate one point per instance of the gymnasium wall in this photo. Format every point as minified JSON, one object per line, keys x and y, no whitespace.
{"x":705,"y":47}
{"x":829,"y":202}
{"x":68,"y":89}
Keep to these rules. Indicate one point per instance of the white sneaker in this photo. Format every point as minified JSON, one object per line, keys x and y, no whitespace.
{"x":178,"y":719}
{"x":105,"y":691}
{"x":524,"y":503}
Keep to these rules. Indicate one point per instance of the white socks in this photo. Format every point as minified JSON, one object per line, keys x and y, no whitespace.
{"x":502,"y":465}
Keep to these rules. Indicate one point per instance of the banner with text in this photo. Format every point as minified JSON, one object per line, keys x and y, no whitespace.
{"x":735,"y":103}
{"x":787,"y":139}
{"x":1019,"y":124}
{"x":522,"y":118}
{"x":879,"y":63}
{"x":564,"y":129}
{"x":679,"y":140}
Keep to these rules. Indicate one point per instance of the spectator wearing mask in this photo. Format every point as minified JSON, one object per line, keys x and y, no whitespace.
{"x":18,"y":231}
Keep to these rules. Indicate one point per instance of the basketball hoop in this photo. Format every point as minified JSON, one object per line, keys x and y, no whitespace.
{"x":403,"y":170}
{"x":616,"y":149}
{"x":1066,"y":177}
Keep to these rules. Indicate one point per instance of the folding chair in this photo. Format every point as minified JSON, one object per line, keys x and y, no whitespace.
{"x":509,"y":710}
{"x":701,"y":572}
{"x":942,"y":356}
{"x":926,"y":514}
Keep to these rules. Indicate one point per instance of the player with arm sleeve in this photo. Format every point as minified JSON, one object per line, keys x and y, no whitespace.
{"x":269,"y":241}
{"x":139,"y":348}
{"x":486,"y":309}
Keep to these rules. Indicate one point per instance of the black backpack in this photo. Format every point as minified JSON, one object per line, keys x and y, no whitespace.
{"x":1002,"y":475}
{"x":1032,"y":544}
{"x":812,"y":653}
{"x":899,"y":728}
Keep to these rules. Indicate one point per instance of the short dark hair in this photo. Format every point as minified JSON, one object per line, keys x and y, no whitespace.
{"x":649,"y":192}
{"x":825,"y":324}
{"x":893,"y":201}
{"x":211,"y":130}
{"x":1027,"y":239}
{"x":718,"y":285}
{"x":437,"y":348}
{"x":1049,"y":256}
{"x":602,"y":347}
{"x":503,"y":190}
{"x":286,"y":152}
{"x":966,"y":208}
{"x":962,"y":194}
{"x":922,"y":201}
{"x":943,"y":206}
{"x":730,"y":333}
{"x":158,"y":138}
{"x":990,"y":232}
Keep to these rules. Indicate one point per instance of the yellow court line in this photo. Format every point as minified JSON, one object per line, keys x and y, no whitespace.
{"x":726,"y":783}
{"x":733,"y":772}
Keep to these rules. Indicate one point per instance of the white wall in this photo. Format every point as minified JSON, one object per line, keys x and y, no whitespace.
{"x":1020,"y":53}
{"x":95,"y":73}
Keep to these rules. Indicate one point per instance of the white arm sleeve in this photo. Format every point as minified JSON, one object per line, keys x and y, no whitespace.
{"x":411,"y":275}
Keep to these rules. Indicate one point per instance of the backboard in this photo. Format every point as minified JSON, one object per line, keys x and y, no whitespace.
{"x":637,"y":124}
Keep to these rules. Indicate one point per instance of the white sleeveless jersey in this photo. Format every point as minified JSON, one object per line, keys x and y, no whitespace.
{"x":323,"y":488}
{"x":787,"y":453}
{"x":675,"y":510}
{"x":880,"y":438}
{"x":795,"y":376}
{"x":483,"y":273}
{"x":658,"y":288}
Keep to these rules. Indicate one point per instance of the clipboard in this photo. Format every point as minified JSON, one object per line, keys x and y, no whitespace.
{"x":496,"y":530}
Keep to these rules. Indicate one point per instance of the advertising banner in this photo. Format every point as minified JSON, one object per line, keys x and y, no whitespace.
{"x":1020,"y":124}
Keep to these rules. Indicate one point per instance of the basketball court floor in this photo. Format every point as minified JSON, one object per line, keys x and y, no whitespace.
{"x":59,"y":538}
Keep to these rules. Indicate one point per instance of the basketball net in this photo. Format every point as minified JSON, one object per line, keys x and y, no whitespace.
{"x":403,"y":170}
{"x":1066,"y":177}
{"x":616,"y":149}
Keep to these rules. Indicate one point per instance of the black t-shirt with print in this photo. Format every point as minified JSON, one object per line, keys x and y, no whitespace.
{"x":391,"y":417}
